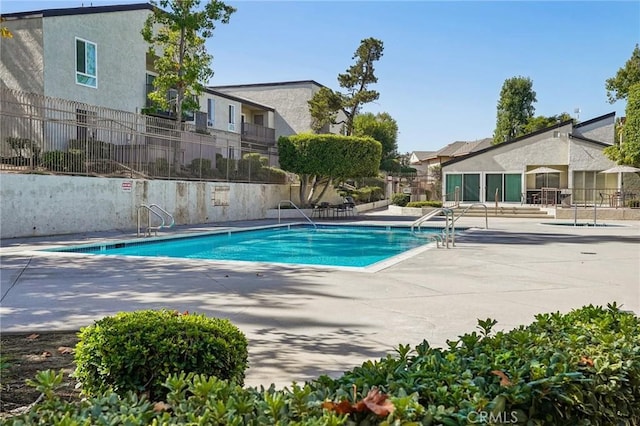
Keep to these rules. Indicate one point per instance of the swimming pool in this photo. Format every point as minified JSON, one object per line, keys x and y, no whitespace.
{"x":330,"y":245}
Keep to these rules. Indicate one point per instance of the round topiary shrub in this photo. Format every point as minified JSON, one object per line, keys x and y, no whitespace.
{"x":400,"y":199}
{"x":137,"y":351}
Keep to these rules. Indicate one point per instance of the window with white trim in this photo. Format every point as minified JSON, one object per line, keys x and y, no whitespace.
{"x":210,"y":112}
{"x":86,"y":63}
{"x":232,"y":118}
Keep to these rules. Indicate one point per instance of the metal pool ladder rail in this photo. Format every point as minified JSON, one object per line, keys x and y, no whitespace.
{"x":157,"y":211}
{"x":296,"y":207}
{"x":448,"y":231}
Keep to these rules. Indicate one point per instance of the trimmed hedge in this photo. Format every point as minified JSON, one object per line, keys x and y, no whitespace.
{"x":137,"y":351}
{"x":400,"y":199}
{"x":580,"y":368}
{"x":336,"y":156}
{"x":424,"y":204}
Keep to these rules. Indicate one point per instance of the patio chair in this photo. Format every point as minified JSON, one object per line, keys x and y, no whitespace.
{"x":350,"y":206}
{"x":320,"y":210}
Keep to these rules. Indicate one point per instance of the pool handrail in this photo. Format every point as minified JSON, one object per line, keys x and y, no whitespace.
{"x":152,"y":209}
{"x":448,"y":230}
{"x":297,"y":208}
{"x":418,"y":222}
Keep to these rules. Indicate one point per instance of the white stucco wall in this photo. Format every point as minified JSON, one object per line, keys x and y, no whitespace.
{"x":121,"y":58}
{"x":290,"y":101}
{"x":221,"y":112}
{"x":599,"y":130}
{"x":587,"y":156}
{"x":22,"y":57}
{"x":37,"y":205}
{"x":515,"y":157}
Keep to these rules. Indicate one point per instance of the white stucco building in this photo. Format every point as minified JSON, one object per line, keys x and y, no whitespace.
{"x":97,"y":56}
{"x":289,"y":100}
{"x":572,"y":157}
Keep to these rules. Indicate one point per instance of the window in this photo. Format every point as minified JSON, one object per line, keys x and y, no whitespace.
{"x":258,"y":119}
{"x":547,"y":180}
{"x":210,"y":112}
{"x":86,"y":63}
{"x":232,"y":118}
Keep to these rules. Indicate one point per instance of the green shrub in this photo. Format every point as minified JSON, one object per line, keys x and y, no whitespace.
{"x":424,"y":204}
{"x":60,"y":161}
{"x":249,"y":166}
{"x":564,"y":369}
{"x":400,"y":199}
{"x":54,"y":160}
{"x":579,"y":368}
{"x":191,"y":399}
{"x":226,"y":166}
{"x":372,"y":181}
{"x":93,"y":149}
{"x":272,"y":175}
{"x":633,"y":203}
{"x":23,"y":149}
{"x":368,"y":194}
{"x":160,"y":167}
{"x":137,"y":351}
{"x":201,"y":167}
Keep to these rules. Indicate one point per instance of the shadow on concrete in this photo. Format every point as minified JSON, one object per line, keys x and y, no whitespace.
{"x":490,"y":236}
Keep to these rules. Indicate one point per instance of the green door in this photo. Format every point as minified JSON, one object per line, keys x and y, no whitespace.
{"x":452,"y":182}
{"x":513,"y":187}
{"x":471,"y":187}
{"x":494,"y":181}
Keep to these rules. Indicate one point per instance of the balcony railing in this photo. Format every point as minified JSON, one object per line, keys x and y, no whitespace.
{"x":258,"y":134}
{"x":150,"y":108}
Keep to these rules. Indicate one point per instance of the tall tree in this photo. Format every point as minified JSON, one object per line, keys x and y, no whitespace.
{"x":383,"y":128}
{"x":515,"y":108}
{"x":178,"y":29}
{"x":627,"y":150}
{"x":542,"y":122}
{"x":4,"y":31}
{"x":618,"y":86}
{"x":320,"y":160}
{"x":326,"y":103}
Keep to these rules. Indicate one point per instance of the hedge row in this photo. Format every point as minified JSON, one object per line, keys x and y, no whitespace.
{"x":580,"y":368}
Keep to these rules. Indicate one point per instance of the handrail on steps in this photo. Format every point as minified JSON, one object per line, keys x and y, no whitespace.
{"x":449,"y":230}
{"x":153,"y":209}
{"x":297,"y":208}
{"x":486,"y":215}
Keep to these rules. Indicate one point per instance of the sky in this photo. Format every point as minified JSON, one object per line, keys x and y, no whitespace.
{"x":444,"y":62}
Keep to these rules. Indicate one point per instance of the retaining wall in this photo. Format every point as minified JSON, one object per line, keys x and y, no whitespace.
{"x":606,"y":213}
{"x":39,"y":205}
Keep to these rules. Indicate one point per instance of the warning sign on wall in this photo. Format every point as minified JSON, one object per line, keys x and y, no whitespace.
{"x":127,"y":185}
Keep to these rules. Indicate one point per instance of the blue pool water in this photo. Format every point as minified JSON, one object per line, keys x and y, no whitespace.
{"x":355,"y":246}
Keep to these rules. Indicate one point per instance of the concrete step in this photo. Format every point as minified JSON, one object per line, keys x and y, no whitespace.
{"x":505,"y":211}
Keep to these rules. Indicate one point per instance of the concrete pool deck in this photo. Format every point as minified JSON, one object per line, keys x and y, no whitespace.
{"x":303,"y":321}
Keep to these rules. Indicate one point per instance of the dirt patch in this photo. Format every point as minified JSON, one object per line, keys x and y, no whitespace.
{"x":23,"y":355}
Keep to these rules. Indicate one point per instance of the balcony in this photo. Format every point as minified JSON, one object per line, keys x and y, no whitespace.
{"x":150,"y":108}
{"x":258,"y":134}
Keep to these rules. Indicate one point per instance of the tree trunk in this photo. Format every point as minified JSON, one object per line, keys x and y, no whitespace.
{"x":302,"y":192}
{"x":177,"y":160}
